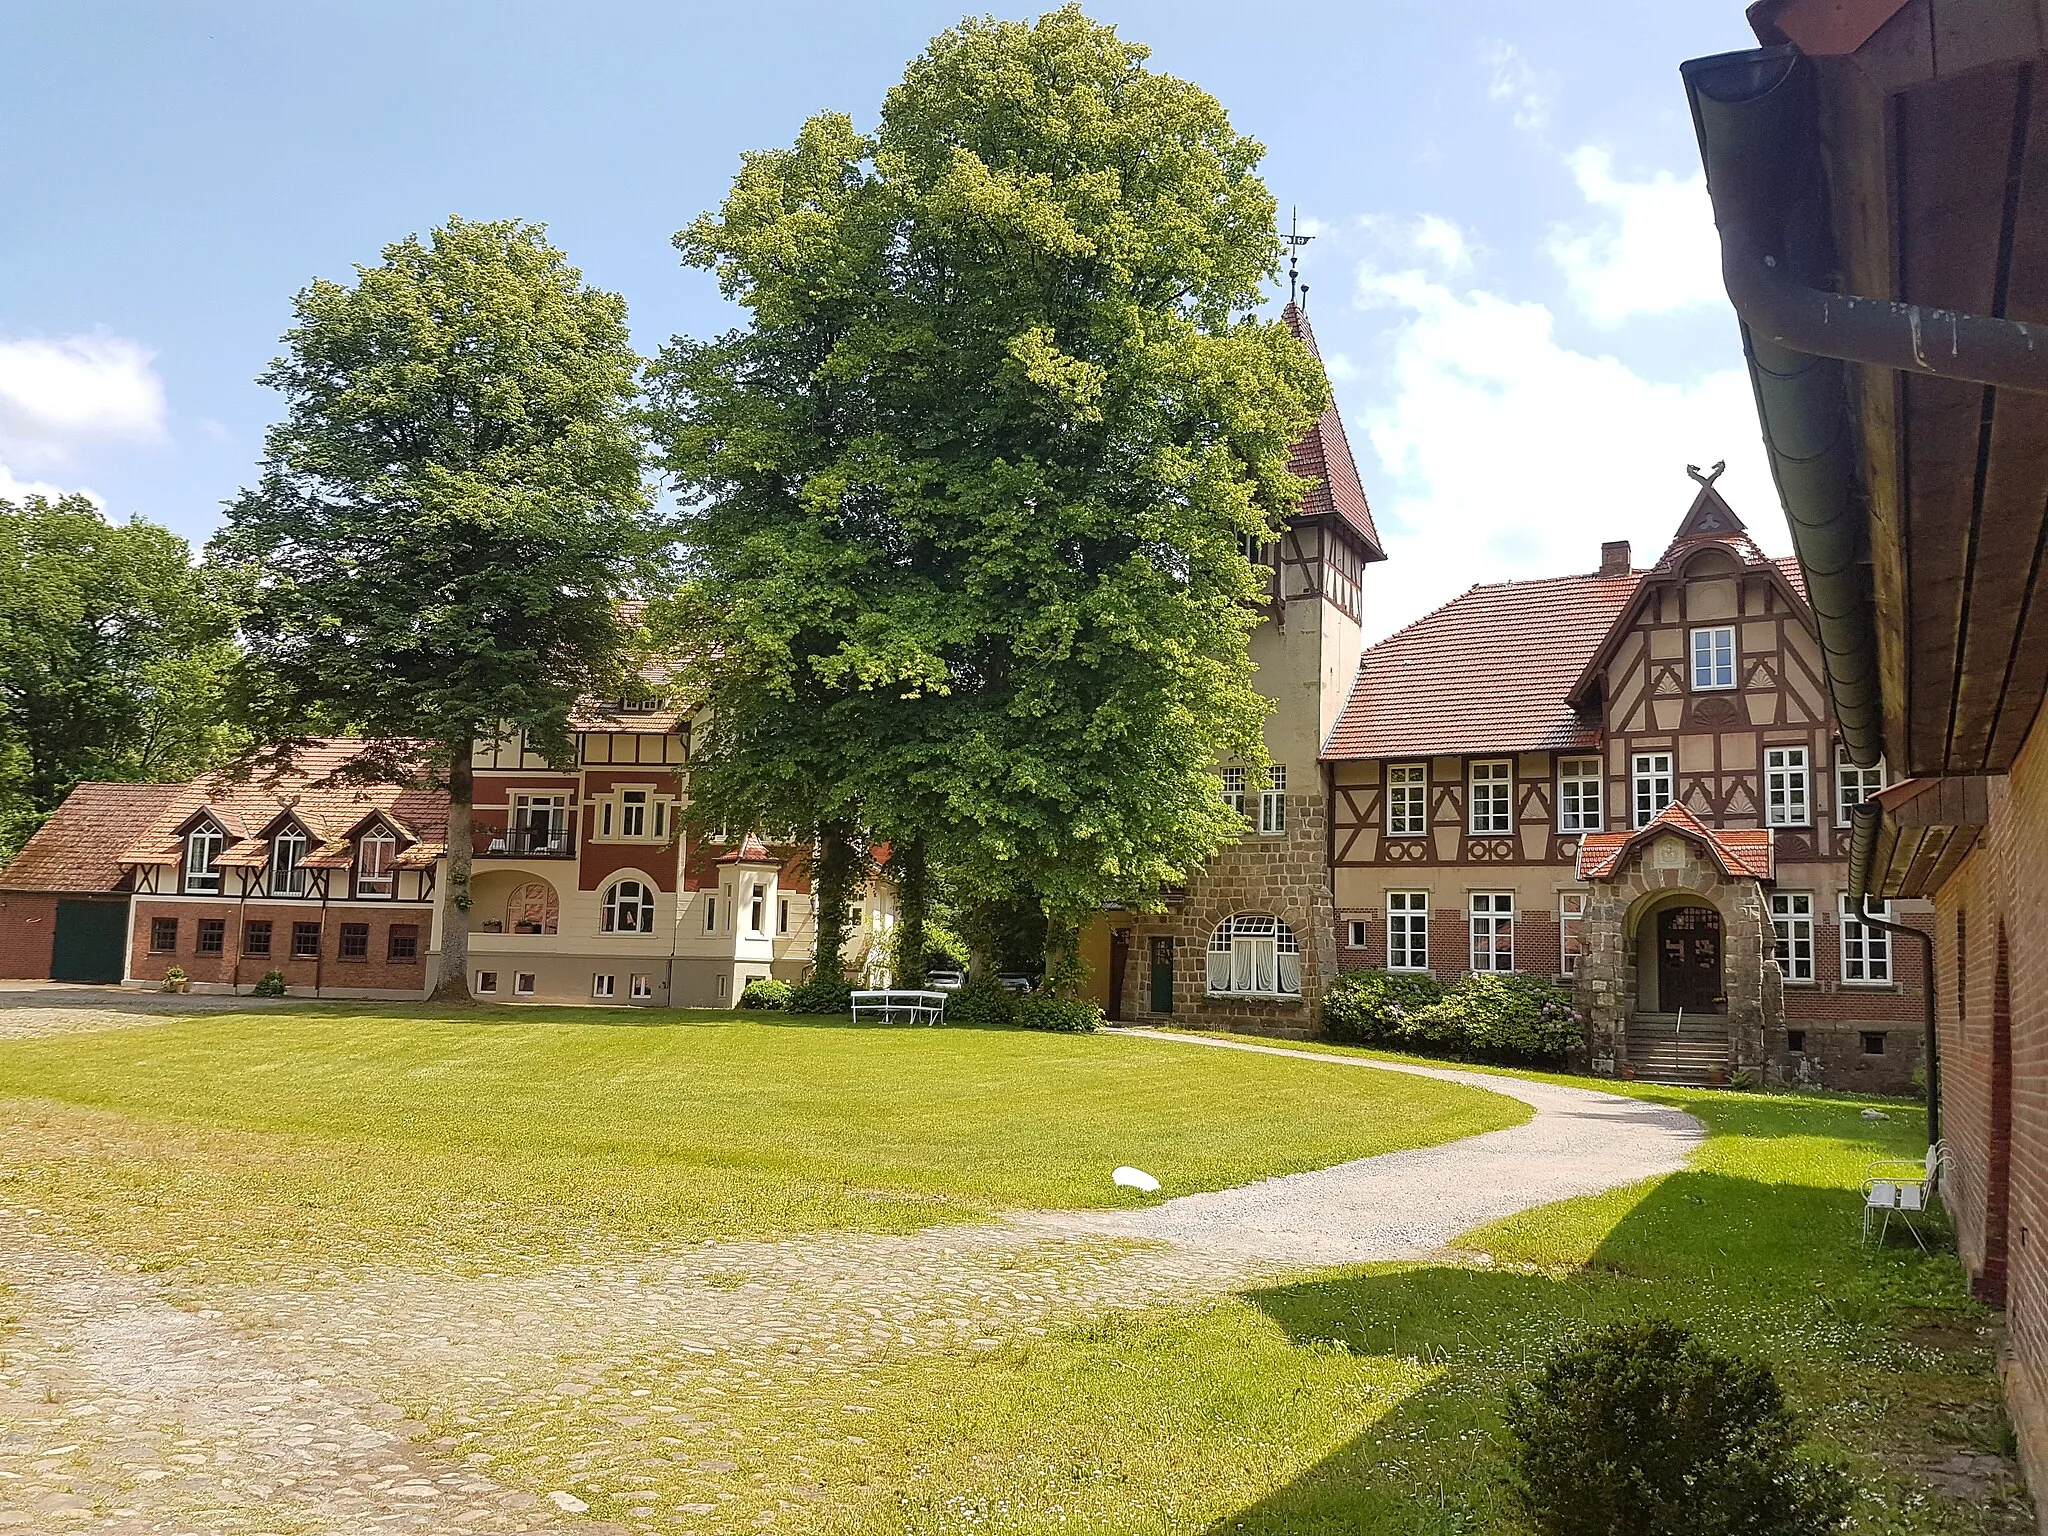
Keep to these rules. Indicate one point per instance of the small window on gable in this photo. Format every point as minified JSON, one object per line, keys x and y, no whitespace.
{"x":287,"y":863}
{"x":374,"y":856}
{"x":202,"y":859}
{"x":1713,"y":658}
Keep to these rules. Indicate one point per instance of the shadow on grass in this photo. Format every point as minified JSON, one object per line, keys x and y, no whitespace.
{"x":1765,"y":1268}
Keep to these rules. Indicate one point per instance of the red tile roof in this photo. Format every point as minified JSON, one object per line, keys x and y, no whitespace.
{"x":1737,"y":850}
{"x":1324,"y":456}
{"x":79,"y":847}
{"x":1487,"y":672}
{"x":750,"y":851}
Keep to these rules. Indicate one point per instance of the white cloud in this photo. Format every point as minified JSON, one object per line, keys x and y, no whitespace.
{"x":1516,"y":84}
{"x":1504,"y":454}
{"x":60,"y":395}
{"x":1653,"y":253}
{"x":1339,"y":367}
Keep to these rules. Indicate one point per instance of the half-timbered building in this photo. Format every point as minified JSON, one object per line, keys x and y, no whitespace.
{"x":1628,"y":780}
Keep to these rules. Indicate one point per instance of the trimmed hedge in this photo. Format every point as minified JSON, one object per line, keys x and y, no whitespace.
{"x":1513,"y":1017}
{"x":767,"y":992}
{"x":1070,"y":1016}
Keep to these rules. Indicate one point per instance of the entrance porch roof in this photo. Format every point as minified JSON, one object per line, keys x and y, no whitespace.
{"x":1739,"y":851}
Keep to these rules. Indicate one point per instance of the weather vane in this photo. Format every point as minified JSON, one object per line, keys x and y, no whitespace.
{"x":1295,"y":241}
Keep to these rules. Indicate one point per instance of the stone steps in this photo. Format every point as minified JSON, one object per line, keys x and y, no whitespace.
{"x":1662,"y":1052}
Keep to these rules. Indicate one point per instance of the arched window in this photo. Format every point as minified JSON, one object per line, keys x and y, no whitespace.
{"x":1254,"y":955}
{"x":373,"y":862}
{"x":532,"y":908}
{"x":629,"y":907}
{"x":287,"y":874}
{"x":202,"y":859}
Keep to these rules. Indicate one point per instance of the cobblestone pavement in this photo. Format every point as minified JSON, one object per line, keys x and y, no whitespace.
{"x":129,"y":1406}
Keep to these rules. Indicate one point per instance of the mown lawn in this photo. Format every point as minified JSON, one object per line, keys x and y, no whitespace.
{"x":357,"y":1135}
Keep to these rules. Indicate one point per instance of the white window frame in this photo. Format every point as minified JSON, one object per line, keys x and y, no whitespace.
{"x":1640,"y":778}
{"x":1788,"y":787}
{"x":1792,"y":935}
{"x":1497,"y":776}
{"x":1492,"y":917}
{"x":1407,"y":930}
{"x":377,"y":879}
{"x":1356,"y":931}
{"x":523,"y":984}
{"x":203,"y":845}
{"x":604,"y":984}
{"x":1234,"y":789}
{"x":711,"y":911}
{"x":1273,"y":802}
{"x":782,"y":915}
{"x":635,"y":813}
{"x":1581,"y":789}
{"x":487,"y":983}
{"x":288,"y":874}
{"x":643,"y":986}
{"x":1866,"y":952}
{"x":1406,"y":811}
{"x":1571,"y":921}
{"x":757,"y":913}
{"x":642,"y":905}
{"x":1854,"y":785}
{"x":1722,"y":661}
{"x":1254,"y":954}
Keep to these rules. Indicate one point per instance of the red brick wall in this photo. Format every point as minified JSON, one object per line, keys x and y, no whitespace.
{"x":28,"y":920}
{"x":233,"y":967}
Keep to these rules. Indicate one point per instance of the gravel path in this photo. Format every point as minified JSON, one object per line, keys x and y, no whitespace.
{"x":1403,"y":1205}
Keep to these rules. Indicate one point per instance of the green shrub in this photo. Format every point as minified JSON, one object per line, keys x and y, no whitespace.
{"x":1063,"y":1016}
{"x":1503,"y":1018}
{"x":981,"y":1003}
{"x":175,"y":978}
{"x":272,"y":985}
{"x":1372,"y":1006}
{"x":821,"y":995}
{"x":767,"y":992}
{"x":1639,"y":1430}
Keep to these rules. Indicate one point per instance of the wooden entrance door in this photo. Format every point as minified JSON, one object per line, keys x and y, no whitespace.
{"x":1162,"y":976}
{"x":1119,"y":966}
{"x":1689,"y":961}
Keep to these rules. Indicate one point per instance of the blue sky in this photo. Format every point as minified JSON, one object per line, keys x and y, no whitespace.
{"x":1512,"y":276}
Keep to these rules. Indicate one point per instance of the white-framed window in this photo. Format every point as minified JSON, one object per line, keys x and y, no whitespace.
{"x":1854,"y":785}
{"x":628,"y":907}
{"x":202,"y":860}
{"x":1273,"y":802}
{"x":1649,"y":785}
{"x":1255,"y":549}
{"x":757,"y":914}
{"x":287,"y":871}
{"x":782,"y":915}
{"x":374,"y":855}
{"x":1355,"y":933}
{"x":1493,"y":931}
{"x":486,"y":983}
{"x":643,"y":987}
{"x":522,"y":983}
{"x":1578,"y":795}
{"x":1571,"y":931}
{"x":1788,"y":787}
{"x":1407,"y":930}
{"x":1407,"y":800}
{"x":1492,"y":810}
{"x":634,"y":813}
{"x":721,"y":988}
{"x":1233,"y":789}
{"x":710,"y":913}
{"x":1254,"y":954}
{"x":540,"y":823}
{"x":1713,"y":658}
{"x":1866,"y":951}
{"x":1792,"y":925}
{"x":603,"y":986}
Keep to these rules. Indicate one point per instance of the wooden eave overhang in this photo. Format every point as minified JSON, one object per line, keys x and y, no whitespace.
{"x":1908,"y":839}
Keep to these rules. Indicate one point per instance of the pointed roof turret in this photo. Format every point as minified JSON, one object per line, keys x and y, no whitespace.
{"x":1709,"y":520}
{"x":1324,"y":457}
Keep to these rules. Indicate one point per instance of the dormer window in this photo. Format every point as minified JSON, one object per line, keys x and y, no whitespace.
{"x":287,"y":858}
{"x":375,"y":855}
{"x":202,"y":860}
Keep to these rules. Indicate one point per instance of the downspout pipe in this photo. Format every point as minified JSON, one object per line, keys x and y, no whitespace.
{"x":1756,"y":114}
{"x":1863,"y":829}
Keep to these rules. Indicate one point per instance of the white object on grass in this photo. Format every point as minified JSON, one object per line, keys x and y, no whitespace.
{"x":568,"y":1503}
{"x":1136,"y":1178}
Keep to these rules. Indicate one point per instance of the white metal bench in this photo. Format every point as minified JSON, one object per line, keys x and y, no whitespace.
{"x":1903,"y":1188}
{"x":895,"y":1006}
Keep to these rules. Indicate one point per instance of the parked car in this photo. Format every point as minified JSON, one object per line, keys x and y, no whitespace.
{"x":945,"y":981}
{"x":1018,"y":982}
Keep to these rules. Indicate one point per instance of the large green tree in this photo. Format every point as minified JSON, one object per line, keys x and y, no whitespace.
{"x":114,"y":653}
{"x":448,"y":514}
{"x":967,"y":493}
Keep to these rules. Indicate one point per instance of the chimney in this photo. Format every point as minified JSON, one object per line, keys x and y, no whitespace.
{"x":1614,"y":558}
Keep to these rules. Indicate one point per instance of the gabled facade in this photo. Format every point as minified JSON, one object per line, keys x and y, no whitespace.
{"x":1247,"y":945}
{"x":1514,"y":765}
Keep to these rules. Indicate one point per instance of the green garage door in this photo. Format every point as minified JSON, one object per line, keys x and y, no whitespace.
{"x":91,"y":942}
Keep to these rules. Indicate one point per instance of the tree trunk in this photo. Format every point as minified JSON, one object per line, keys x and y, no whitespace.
{"x":837,"y":867}
{"x":908,"y":863}
{"x":978,"y":928}
{"x":452,"y":986}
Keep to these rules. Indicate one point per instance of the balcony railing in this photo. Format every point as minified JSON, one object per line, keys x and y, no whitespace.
{"x":496,"y":841}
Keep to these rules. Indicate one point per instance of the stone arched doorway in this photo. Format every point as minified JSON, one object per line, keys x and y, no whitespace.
{"x":1687,"y":940}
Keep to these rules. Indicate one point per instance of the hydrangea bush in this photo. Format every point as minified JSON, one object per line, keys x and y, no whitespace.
{"x":1512,"y":1017}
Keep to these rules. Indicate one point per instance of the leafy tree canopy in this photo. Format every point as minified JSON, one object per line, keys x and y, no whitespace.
{"x":967,"y":494}
{"x":114,"y":653}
